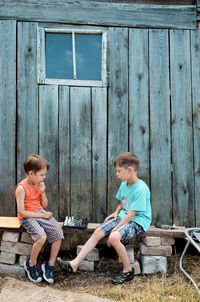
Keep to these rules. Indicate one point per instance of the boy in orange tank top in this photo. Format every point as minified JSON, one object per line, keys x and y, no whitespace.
{"x":31,"y":201}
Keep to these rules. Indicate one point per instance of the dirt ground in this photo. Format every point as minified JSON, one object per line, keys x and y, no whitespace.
{"x":69,"y":288}
{"x":14,"y":290}
{"x":105,"y":269}
{"x":99,"y":283}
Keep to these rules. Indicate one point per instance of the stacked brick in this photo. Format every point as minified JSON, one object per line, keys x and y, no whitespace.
{"x":134,"y":263}
{"x":14,"y":249}
{"x":154,"y":252}
{"x":88,"y":263}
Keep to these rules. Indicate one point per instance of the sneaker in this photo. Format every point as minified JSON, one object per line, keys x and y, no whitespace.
{"x":124,"y":277}
{"x":32,"y":271}
{"x":48,"y":272}
{"x":65,"y":265}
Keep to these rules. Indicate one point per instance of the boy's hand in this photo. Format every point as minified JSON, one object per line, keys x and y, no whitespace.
{"x":47,"y":215}
{"x":42,"y":187}
{"x":112,"y":215}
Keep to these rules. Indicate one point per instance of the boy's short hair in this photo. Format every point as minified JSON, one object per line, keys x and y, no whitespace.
{"x":35,"y":163}
{"x":126,"y":160}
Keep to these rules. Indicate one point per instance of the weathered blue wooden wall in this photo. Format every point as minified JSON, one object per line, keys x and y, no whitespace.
{"x":98,"y":12}
{"x":7,"y":114}
{"x":151,"y":107}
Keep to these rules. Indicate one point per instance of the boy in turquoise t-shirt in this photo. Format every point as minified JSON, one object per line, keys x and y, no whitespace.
{"x":131,"y":217}
{"x":136,"y":197}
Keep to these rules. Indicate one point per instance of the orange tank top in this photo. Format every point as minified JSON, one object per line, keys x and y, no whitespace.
{"x":32,"y":199}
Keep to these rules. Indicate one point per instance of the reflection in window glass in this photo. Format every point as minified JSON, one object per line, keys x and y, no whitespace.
{"x":59,"y":57}
{"x":88,"y":56}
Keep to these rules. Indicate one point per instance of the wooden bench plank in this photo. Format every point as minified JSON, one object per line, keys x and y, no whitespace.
{"x":10,"y":222}
{"x":153,"y":231}
{"x":158,"y":232}
{"x":13,"y":224}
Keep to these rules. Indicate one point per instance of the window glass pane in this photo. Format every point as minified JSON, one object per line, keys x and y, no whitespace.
{"x":88,"y":56}
{"x":59,"y":58}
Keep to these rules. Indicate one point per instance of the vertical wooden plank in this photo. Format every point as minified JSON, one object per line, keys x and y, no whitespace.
{"x":48,"y":141}
{"x":64,"y":153}
{"x":117,"y":107}
{"x":195,"y":61}
{"x":27,"y":97}
{"x":139,"y":99}
{"x":161,"y":197}
{"x":199,"y":34}
{"x":182,"y":142}
{"x":99,"y":152}
{"x":81,"y":160}
{"x":7,"y":116}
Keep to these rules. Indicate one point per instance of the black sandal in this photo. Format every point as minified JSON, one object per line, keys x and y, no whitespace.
{"x":124,"y":277}
{"x":65,"y":265}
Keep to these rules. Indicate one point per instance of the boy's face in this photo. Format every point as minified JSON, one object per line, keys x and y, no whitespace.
{"x":123,"y":173}
{"x":38,"y":177}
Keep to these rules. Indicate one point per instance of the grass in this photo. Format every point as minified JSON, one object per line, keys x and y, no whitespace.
{"x":149,"y":289}
{"x":170,"y":287}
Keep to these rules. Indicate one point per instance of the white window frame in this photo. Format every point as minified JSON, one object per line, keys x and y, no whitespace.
{"x":73,"y":30}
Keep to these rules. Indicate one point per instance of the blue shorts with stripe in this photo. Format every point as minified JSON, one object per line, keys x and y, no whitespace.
{"x":127,"y":231}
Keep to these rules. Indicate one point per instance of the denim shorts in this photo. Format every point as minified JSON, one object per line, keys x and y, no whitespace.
{"x":127,"y":231}
{"x":38,"y":227}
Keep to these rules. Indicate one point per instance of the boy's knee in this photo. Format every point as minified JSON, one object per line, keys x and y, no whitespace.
{"x":42,"y":239}
{"x":98,"y":233}
{"x":114,"y":237}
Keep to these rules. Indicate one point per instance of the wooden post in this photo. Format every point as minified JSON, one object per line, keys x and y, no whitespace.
{"x":199,"y":33}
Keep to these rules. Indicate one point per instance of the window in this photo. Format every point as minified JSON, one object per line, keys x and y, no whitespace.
{"x":76,"y":57}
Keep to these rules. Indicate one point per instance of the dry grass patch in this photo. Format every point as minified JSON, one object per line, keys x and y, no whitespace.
{"x":170,"y":287}
{"x":155,"y":288}
{"x":173,"y":286}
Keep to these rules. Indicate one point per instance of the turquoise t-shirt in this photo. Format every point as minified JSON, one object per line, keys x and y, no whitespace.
{"x":136,"y":198}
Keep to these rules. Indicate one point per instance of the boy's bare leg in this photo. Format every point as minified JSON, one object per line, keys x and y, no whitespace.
{"x":36,"y":248}
{"x":87,"y":248}
{"x":115,"y":240}
{"x":55,"y":247}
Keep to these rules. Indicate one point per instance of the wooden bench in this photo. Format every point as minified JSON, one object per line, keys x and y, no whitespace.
{"x":154,"y":246}
{"x":13,"y":224}
{"x":153,"y":231}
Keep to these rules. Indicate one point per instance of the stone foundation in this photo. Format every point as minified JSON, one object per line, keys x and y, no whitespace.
{"x":154,"y":252}
{"x":134,"y":263}
{"x":14,"y":250}
{"x":152,"y":256}
{"x":88,"y":263}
